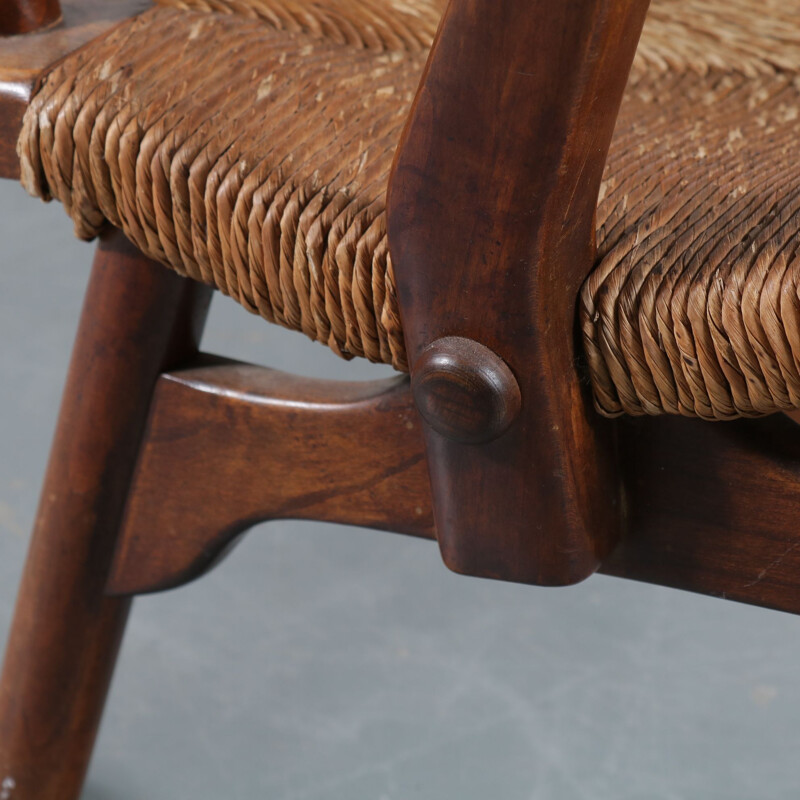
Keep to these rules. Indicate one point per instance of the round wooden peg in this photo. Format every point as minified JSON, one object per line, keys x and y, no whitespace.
{"x":464,"y":391}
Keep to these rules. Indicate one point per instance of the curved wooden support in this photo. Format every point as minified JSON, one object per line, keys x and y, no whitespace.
{"x":712,"y":507}
{"x":24,"y":16}
{"x":230,"y":445}
{"x":491,"y":225}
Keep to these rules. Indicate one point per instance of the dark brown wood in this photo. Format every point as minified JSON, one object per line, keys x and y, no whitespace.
{"x":138,"y":318}
{"x":491,"y":219}
{"x":464,"y":391}
{"x":713,"y":508}
{"x":238,"y":444}
{"x":24,"y":16}
{"x":24,"y":58}
{"x":491,"y":225}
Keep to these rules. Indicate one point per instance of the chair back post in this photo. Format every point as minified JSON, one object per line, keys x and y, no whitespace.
{"x":25,"y":16}
{"x":491,"y":210}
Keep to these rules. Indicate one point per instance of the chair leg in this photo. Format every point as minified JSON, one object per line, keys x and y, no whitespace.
{"x":138,"y":320}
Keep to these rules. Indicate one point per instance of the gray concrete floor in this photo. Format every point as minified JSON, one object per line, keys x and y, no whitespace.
{"x":328,"y":662}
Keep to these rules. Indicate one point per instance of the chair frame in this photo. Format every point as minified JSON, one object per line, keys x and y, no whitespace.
{"x":491,"y":446}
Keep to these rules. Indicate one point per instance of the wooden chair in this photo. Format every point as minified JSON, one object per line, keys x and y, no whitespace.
{"x":247,"y":145}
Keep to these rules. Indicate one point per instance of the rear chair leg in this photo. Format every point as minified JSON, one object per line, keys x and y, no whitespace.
{"x":138,"y":319}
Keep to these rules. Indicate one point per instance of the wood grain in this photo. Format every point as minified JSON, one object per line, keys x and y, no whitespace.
{"x":491,"y":227}
{"x":713,"y":508}
{"x":464,"y":391}
{"x":229,"y":445}
{"x":138,"y":318}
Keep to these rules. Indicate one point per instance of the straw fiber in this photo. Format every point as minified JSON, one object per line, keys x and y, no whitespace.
{"x":247,"y":144}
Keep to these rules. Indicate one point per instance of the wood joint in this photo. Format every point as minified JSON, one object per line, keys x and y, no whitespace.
{"x":464,"y":391}
{"x":491,"y":213}
{"x":229,"y":445}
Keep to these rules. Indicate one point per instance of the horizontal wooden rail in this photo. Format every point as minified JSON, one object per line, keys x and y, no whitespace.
{"x":712,"y":508}
{"x":229,"y":445}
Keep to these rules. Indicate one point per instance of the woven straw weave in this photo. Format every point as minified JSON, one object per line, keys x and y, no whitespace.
{"x":247,"y":144}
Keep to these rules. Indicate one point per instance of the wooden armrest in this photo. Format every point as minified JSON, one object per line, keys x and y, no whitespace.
{"x":24,"y":58}
{"x":491,"y":226}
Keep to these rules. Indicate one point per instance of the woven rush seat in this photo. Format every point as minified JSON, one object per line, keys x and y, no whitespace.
{"x":247,"y":144}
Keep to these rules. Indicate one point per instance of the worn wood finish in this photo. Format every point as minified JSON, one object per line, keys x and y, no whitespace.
{"x":237,"y":444}
{"x":24,"y":58}
{"x":464,"y":391}
{"x":713,"y":508}
{"x":138,"y":318}
{"x":491,"y":218}
{"x":491,"y":225}
{"x":24,"y":16}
